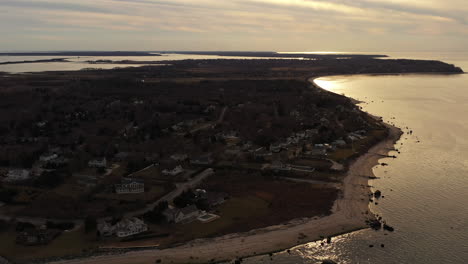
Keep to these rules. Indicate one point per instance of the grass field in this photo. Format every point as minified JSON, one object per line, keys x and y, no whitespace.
{"x":235,"y":213}
{"x":69,"y":243}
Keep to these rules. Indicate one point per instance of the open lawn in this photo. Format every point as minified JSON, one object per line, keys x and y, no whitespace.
{"x":69,"y":243}
{"x":235,"y":216}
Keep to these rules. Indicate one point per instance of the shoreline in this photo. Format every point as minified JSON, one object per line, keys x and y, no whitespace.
{"x":349,"y":214}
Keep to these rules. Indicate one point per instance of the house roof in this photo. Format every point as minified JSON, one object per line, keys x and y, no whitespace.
{"x":189,"y":209}
{"x":131,"y":180}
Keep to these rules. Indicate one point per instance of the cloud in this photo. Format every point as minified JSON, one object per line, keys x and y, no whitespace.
{"x":249,"y":23}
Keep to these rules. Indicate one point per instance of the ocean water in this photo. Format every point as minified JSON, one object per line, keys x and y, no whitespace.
{"x":425,"y":188}
{"x":78,"y":63}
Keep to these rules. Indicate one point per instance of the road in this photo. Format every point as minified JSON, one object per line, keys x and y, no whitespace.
{"x":195,"y":181}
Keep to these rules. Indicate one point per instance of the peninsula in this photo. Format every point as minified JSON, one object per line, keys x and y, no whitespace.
{"x":192,"y":161}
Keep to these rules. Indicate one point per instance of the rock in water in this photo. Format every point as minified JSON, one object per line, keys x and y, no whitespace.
{"x":388,"y":228}
{"x":377,"y":194}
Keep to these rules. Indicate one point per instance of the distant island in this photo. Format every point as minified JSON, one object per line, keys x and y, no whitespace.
{"x":272,"y":54}
{"x":33,"y":61}
{"x":83,"y":53}
{"x":190,"y":161}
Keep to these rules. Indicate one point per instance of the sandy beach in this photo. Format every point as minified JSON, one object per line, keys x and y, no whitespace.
{"x":350,"y":212}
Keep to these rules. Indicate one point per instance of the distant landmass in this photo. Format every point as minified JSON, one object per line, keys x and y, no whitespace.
{"x":83,"y":53}
{"x":274,"y":54}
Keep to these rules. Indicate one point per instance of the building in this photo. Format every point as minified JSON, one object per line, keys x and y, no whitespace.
{"x":279,"y":166}
{"x":98,"y":163}
{"x":124,"y":228}
{"x":130,"y":186}
{"x":179,"y":157}
{"x":186,"y":214}
{"x":202,"y":160}
{"x":17,"y":175}
{"x":48,"y":157}
{"x":174,"y":172}
{"x":130,"y":227}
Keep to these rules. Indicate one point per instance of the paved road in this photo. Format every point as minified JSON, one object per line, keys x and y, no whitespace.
{"x":195,"y":181}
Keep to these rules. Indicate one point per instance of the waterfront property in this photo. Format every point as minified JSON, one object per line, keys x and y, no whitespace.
{"x":185,"y":214}
{"x":124,"y":228}
{"x":98,"y":163}
{"x":130,"y":185}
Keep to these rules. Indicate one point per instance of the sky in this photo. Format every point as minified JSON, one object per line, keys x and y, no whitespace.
{"x":250,"y":25}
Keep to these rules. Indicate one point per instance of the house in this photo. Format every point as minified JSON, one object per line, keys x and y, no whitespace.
{"x":339,"y":143}
{"x":130,"y":227}
{"x":48,"y":157}
{"x":124,"y":228}
{"x":58,"y":162}
{"x":179,"y":157}
{"x":318,"y":152}
{"x":121,"y":156}
{"x":186,"y":214}
{"x":174,"y":172}
{"x":130,"y":185}
{"x":301,"y":168}
{"x":17,"y":175}
{"x":262,"y":153}
{"x":98,"y":163}
{"x":275,"y":148}
{"x":279,"y":166}
{"x":210,"y":199}
{"x":202,"y":160}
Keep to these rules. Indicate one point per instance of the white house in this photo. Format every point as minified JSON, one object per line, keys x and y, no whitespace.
{"x":185,"y":214}
{"x":179,"y":157}
{"x":17,"y":175}
{"x":98,"y":163}
{"x":176,"y":171}
{"x":48,"y":157}
{"x":126,"y":227}
{"x":130,"y":227}
{"x":130,"y":186}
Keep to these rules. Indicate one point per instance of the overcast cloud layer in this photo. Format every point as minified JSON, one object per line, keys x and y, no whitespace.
{"x":281,"y":25}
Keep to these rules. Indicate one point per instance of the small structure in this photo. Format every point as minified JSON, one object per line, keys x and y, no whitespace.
{"x":130,"y":186}
{"x":339,"y":143}
{"x":206,"y":218}
{"x":16,"y":175}
{"x":275,"y":148}
{"x":186,"y":214}
{"x":48,"y":157}
{"x":126,"y":227}
{"x":174,"y":172}
{"x":179,"y":157}
{"x":202,"y":160}
{"x":98,"y":163}
{"x":279,"y":166}
{"x":262,"y":153}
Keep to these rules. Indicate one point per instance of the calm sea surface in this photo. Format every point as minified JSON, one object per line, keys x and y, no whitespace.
{"x":426,"y":187}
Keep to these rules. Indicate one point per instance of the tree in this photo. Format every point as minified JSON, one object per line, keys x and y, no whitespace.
{"x":184,"y":199}
{"x":90,"y":223}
